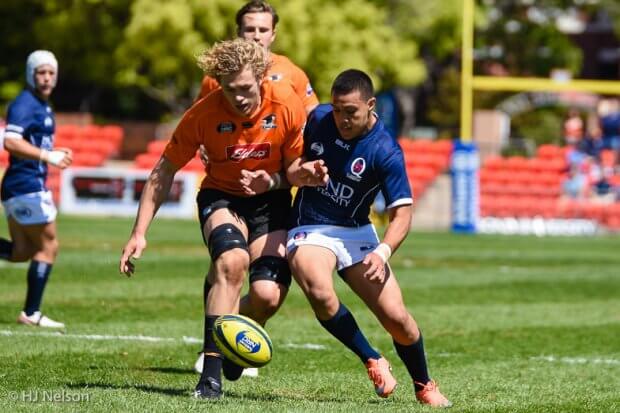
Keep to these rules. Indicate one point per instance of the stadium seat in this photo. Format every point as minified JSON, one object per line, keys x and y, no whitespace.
{"x":156,"y":146}
{"x":549,"y":151}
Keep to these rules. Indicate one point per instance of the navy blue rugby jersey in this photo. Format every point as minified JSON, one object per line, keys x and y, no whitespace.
{"x":32,"y":119}
{"x":358,"y":170}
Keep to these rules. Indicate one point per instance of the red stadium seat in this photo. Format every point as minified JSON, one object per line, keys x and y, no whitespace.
{"x":156,"y":146}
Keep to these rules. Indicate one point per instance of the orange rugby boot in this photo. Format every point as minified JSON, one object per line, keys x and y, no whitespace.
{"x":431,"y":395}
{"x":380,"y":372}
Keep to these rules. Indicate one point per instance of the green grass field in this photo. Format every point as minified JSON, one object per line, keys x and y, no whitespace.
{"x":511,"y":324}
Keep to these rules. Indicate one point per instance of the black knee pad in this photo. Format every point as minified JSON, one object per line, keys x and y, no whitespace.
{"x":225,"y":237}
{"x":271,"y":268}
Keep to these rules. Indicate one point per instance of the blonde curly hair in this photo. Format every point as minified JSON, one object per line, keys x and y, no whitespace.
{"x":231,"y":56}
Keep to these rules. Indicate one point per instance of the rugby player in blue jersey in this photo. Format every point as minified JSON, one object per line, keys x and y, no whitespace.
{"x":331,"y":230}
{"x":28,"y":204}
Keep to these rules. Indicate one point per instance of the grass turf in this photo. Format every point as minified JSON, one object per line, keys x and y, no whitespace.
{"x":511,"y":324}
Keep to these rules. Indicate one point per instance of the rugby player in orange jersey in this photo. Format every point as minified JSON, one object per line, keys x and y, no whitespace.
{"x":257,"y":21}
{"x":252,"y":132}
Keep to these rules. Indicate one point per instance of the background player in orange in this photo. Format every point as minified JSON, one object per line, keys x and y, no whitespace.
{"x":257,"y":21}
{"x":247,"y":125}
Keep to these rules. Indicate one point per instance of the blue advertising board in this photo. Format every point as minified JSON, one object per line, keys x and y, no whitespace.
{"x":465,"y":187}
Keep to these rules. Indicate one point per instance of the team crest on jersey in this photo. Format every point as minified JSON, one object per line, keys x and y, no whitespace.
{"x":358,"y":166}
{"x":276,"y":77}
{"x":269,"y":122}
{"x":317,"y":148}
{"x":239,"y":152}
{"x":226,"y":127}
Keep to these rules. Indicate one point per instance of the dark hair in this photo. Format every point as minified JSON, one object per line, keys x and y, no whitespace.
{"x":351,"y":80}
{"x":257,"y":6}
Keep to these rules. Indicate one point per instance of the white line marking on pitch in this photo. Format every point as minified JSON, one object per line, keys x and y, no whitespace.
{"x":575,"y":360}
{"x":149,"y":339}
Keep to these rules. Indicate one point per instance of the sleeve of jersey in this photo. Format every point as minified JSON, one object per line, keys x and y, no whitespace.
{"x":208,"y":85}
{"x":293,"y":145}
{"x":395,"y":185}
{"x":184,"y":143}
{"x":18,"y":121}
{"x":303,"y":88}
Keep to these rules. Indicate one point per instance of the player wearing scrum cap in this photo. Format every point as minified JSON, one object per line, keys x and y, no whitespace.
{"x":28,"y":204}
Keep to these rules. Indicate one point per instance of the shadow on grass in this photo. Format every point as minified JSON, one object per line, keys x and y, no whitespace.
{"x":170,"y":370}
{"x":141,"y":387}
{"x":186,"y":392}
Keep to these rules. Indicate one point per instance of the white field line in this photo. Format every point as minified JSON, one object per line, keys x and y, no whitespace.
{"x":149,"y":339}
{"x":576,"y":360}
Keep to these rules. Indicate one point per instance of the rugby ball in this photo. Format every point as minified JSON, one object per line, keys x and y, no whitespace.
{"x":242,"y":340}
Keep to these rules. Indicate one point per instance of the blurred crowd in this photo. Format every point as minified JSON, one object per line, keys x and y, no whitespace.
{"x":594,"y":146}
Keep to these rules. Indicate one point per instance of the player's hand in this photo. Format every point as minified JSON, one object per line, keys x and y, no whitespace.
{"x":132,"y":250}
{"x":376,"y":271}
{"x":202,"y":153}
{"x":255,"y":182}
{"x":58,"y":157}
{"x":314,"y":173}
{"x":67,"y":160}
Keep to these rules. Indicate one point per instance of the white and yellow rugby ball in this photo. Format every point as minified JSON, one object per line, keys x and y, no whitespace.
{"x":242,"y":340}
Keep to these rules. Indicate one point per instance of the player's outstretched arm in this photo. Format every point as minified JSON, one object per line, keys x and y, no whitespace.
{"x":395,"y":233}
{"x":21,"y":148}
{"x":307,"y":173}
{"x":153,"y":195}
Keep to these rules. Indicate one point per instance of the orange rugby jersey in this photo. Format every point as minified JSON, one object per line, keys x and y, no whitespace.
{"x":268,"y":140}
{"x":282,"y":71}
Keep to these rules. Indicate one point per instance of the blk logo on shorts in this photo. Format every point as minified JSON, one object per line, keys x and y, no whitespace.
{"x":300,"y":235}
{"x":23,"y":212}
{"x":239,"y":152}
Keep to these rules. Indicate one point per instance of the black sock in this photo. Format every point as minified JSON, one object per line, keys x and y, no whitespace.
{"x":415,"y":360}
{"x":38,"y":274}
{"x":212,"y":366}
{"x":344,"y":327}
{"x":6,"y":249}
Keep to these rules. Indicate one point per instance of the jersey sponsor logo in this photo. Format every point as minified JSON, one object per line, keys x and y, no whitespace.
{"x":247,"y":125}
{"x":226,"y":127}
{"x":317,"y":148}
{"x":343,"y":145}
{"x":338,"y":192}
{"x":239,"y":152}
{"x":269,"y":122}
{"x":358,"y":166}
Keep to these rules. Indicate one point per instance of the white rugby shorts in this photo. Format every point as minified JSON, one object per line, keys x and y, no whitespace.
{"x":350,"y":245}
{"x":31,"y":209}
